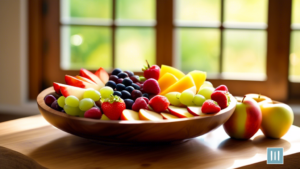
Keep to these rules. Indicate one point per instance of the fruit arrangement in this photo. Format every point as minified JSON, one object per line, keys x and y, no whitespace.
{"x":162,"y":93}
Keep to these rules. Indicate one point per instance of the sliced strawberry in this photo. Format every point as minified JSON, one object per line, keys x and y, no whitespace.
{"x":113,"y":107}
{"x":222,"y":87}
{"x":220,"y":97}
{"x":210,"y":106}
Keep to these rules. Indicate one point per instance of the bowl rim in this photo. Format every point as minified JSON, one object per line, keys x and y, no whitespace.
{"x":42,"y":104}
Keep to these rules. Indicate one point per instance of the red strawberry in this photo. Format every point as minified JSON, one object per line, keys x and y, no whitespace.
{"x":210,"y":106}
{"x":220,"y":97}
{"x":159,"y":103}
{"x":113,"y":107}
{"x":222,"y":87}
{"x":151,"y":72}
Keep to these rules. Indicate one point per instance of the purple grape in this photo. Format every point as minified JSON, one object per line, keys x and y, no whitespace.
{"x":49,"y":99}
{"x":135,"y":78}
{"x":114,"y":78}
{"x":135,"y":94}
{"x":55,"y":106}
{"x":128,"y":103}
{"x":116,"y":71}
{"x":129,"y":73}
{"x":122,"y":75}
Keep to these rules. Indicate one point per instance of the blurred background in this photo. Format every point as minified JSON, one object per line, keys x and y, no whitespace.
{"x":252,"y":46}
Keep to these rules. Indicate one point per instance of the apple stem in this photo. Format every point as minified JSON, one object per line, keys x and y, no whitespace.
{"x":243,"y":98}
{"x":148,"y":64}
{"x":258,"y":96}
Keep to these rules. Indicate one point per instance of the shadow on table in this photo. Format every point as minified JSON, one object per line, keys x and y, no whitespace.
{"x":66,"y":151}
{"x":262,"y":143}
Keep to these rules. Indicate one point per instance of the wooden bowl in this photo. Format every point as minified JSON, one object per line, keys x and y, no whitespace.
{"x":132,"y":132}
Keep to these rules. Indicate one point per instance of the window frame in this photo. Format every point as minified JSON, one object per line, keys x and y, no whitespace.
{"x":44,"y":48}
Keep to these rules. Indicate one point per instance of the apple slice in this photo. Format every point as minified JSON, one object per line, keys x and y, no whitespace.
{"x":102,"y":74}
{"x":89,"y":75}
{"x":70,"y":80}
{"x":84,"y":79}
{"x":179,"y":112}
{"x":195,"y":110}
{"x":67,"y":90}
{"x":168,"y":116}
{"x":56,"y":87}
{"x":130,"y":115}
{"x":149,"y":115}
{"x":192,"y":89}
{"x":104,"y":117}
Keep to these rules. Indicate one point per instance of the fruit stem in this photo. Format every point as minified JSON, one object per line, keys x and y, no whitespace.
{"x":258,"y":96}
{"x":147,"y":63}
{"x":243,"y":98}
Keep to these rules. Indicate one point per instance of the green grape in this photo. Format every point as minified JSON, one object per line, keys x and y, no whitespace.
{"x":72,"y":101}
{"x":81,"y":113}
{"x":198,"y":100}
{"x":61,"y":101}
{"x":187,"y":97}
{"x":73,"y":111}
{"x":206,"y":84}
{"x":173,"y":98}
{"x":106,"y":92}
{"x":206,"y":92}
{"x":86,"y":104}
{"x":92,"y":94}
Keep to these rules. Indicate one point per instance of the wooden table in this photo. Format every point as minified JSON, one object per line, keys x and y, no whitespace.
{"x":35,"y":137}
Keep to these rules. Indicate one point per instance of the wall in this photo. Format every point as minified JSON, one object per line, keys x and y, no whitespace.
{"x":13,"y":58}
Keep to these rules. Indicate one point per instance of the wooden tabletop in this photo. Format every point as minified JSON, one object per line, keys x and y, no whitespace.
{"x":35,"y":137}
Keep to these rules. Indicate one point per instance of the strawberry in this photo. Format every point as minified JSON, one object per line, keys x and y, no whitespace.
{"x":159,"y":103}
{"x":220,"y":97}
{"x":222,"y":87}
{"x":151,"y":72}
{"x":113,"y":107}
{"x":210,"y":106}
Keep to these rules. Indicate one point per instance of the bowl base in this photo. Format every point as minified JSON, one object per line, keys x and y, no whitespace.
{"x":110,"y":143}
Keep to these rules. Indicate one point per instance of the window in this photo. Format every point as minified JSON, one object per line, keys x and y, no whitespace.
{"x":243,"y":44}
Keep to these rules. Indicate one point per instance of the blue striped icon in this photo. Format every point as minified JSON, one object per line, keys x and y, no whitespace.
{"x":274,"y":155}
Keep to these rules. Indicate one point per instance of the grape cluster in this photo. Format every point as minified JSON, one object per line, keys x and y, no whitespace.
{"x":75,"y":107}
{"x":126,"y":85}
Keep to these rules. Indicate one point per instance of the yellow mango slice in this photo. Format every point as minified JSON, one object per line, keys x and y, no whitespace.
{"x":184,"y":83}
{"x":168,"y":69}
{"x":199,"y":77}
{"x":166,"y":81}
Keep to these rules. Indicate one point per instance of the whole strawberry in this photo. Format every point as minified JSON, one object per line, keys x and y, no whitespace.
{"x":113,"y":107}
{"x":220,"y":97}
{"x":209,"y":107}
{"x":151,"y":72}
{"x":151,"y":86}
{"x":222,"y":87}
{"x":159,"y":103}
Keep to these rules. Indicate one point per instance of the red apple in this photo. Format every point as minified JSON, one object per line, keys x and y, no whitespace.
{"x":179,"y":112}
{"x":56,"y":87}
{"x":70,"y":80}
{"x":89,"y":75}
{"x":102,"y":75}
{"x":245,"y":120}
{"x":67,"y":90}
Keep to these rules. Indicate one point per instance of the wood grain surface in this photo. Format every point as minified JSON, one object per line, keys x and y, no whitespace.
{"x":53,"y":148}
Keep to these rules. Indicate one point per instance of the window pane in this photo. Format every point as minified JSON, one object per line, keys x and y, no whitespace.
{"x":134,"y":47}
{"x":295,"y":57}
{"x":296,"y":12}
{"x":199,"y":49}
{"x":253,"y":11}
{"x":244,"y":54}
{"x":198,"y":11}
{"x":87,"y":47}
{"x":100,"y":9}
{"x":136,"y":9}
